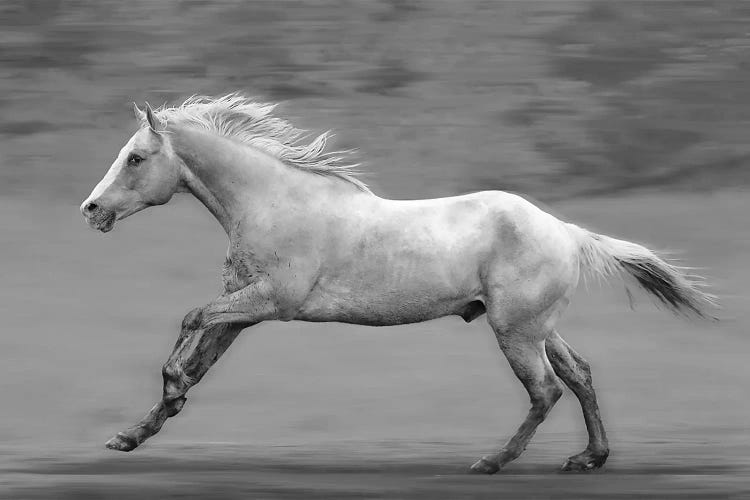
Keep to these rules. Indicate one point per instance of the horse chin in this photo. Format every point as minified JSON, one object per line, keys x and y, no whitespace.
{"x":107,"y":226}
{"x":104,"y":222}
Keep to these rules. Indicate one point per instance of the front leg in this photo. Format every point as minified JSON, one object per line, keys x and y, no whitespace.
{"x":207,"y":332}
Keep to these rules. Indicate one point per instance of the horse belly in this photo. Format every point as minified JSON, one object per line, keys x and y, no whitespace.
{"x":390,"y":300}
{"x":378,"y":310}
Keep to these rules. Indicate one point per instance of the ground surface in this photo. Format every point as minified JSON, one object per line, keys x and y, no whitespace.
{"x":368,"y":470}
{"x":630,"y":118}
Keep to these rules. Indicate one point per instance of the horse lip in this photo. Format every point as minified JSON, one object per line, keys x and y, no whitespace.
{"x":101,"y":223}
{"x":107,"y":226}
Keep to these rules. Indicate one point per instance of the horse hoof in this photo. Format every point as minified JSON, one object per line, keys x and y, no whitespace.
{"x":484,"y":465}
{"x":121,"y":442}
{"x":571,"y":466}
{"x":584,"y":462}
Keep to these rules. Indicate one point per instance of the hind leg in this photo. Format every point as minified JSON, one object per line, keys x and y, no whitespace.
{"x":526,"y":354}
{"x":576,"y":373}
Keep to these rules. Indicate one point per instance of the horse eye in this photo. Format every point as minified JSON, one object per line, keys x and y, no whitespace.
{"x":134,"y":160}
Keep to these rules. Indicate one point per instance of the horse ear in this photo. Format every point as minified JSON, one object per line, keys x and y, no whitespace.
{"x":140,"y":115}
{"x":153,"y":121}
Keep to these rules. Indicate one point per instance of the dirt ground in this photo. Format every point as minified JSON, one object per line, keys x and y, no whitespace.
{"x":370,"y":470}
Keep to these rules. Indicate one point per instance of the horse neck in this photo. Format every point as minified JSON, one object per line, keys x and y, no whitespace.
{"x":233,"y":180}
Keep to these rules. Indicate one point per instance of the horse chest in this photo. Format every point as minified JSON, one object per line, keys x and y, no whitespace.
{"x":238,"y":271}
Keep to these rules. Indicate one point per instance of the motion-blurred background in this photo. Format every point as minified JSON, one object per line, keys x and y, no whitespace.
{"x":630,"y":118}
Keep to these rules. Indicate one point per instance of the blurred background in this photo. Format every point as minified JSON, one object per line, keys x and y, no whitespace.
{"x":629,"y":118}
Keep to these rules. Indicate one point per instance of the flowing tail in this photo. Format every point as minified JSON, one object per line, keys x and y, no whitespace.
{"x":679,"y":291}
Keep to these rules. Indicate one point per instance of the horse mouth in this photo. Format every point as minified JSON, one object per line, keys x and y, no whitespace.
{"x":102,"y":221}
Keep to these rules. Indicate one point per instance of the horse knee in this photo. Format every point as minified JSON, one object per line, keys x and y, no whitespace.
{"x":176,"y":381}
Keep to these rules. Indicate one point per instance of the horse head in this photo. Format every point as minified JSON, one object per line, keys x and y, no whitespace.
{"x":146,"y":172}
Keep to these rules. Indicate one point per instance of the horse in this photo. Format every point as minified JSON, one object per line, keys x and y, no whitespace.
{"x":309,"y":241}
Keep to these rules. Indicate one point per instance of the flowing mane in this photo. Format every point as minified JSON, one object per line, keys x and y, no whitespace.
{"x":241,"y":118}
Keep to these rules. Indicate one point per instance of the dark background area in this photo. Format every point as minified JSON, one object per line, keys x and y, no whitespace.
{"x":555,"y":99}
{"x":630,"y":118}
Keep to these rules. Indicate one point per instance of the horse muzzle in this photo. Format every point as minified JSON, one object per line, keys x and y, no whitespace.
{"x":98,"y":217}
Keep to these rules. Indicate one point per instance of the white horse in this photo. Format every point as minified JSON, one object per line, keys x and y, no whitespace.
{"x":309,"y":241}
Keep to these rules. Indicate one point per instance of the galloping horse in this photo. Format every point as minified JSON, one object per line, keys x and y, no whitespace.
{"x":309,"y":241}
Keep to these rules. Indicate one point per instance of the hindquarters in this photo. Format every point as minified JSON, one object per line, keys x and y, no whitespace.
{"x":532,"y":272}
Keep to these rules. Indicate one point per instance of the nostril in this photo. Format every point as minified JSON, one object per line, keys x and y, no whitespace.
{"x":91,"y":207}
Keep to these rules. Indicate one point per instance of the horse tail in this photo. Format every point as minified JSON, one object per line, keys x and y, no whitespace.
{"x":672,"y":285}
